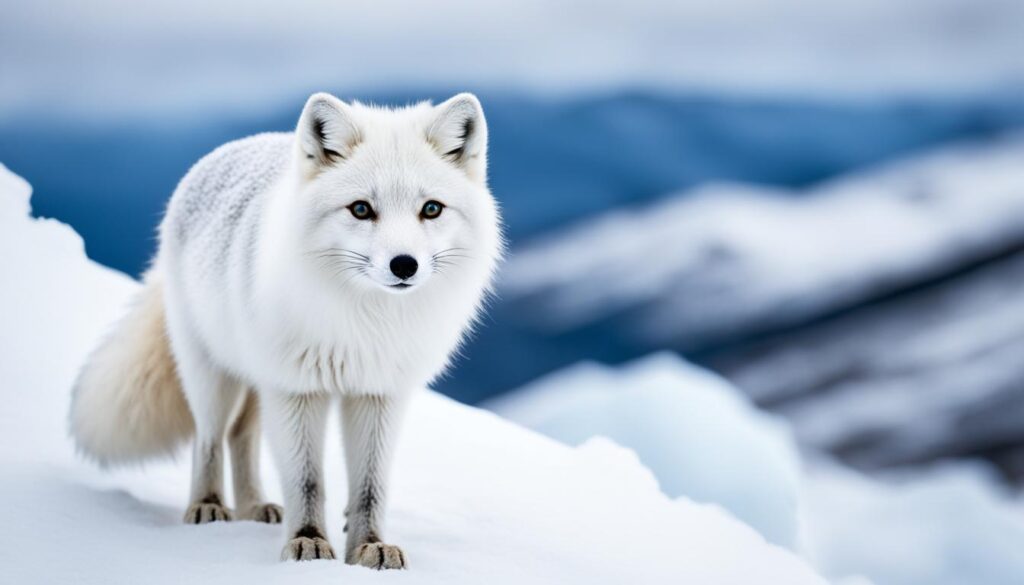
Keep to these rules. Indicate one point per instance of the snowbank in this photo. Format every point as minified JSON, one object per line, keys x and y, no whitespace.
{"x":702,"y":439}
{"x":699,"y":436}
{"x":476,"y":499}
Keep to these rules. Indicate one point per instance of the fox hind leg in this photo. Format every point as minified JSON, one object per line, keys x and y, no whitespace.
{"x":244,"y":443}
{"x":213,"y":397}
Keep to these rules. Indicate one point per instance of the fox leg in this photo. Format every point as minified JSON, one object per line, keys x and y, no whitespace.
{"x":244,"y":443}
{"x":213,"y":398}
{"x":295,"y":426}
{"x":369,"y":427}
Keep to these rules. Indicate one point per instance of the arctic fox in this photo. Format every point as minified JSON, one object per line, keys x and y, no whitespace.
{"x":346,"y":259}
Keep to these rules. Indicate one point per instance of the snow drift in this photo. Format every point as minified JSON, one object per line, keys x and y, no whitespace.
{"x":704,"y":440}
{"x":949,"y":525}
{"x":475,"y":498}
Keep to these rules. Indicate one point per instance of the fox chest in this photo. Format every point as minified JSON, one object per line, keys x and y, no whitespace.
{"x":377,"y":362}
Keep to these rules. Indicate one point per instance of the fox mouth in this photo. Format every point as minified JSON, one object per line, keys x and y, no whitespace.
{"x":400,"y":285}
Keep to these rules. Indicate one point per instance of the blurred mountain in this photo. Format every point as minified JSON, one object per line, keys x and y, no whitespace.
{"x":931,"y":373}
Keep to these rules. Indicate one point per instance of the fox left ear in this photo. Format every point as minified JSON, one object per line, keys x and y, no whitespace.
{"x":459,"y":133}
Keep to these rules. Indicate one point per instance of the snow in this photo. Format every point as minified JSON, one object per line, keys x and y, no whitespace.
{"x":52,"y":314}
{"x":949,"y":525}
{"x":126,"y":60}
{"x":703,"y":439}
{"x":475,"y":499}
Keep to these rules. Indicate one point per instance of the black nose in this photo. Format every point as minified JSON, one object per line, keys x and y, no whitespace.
{"x":403,"y":266}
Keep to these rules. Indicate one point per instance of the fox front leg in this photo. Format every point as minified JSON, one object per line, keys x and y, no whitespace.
{"x":295,"y":426}
{"x":369,"y":425}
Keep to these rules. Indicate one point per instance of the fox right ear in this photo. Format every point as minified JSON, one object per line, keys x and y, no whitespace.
{"x":327,"y":132}
{"x":459,"y":133}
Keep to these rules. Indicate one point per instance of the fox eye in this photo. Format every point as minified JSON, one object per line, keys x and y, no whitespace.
{"x":362,"y":210}
{"x":431,"y":209}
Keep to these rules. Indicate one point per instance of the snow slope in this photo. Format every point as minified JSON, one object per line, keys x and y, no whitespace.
{"x":476,"y":499}
{"x":703,"y":439}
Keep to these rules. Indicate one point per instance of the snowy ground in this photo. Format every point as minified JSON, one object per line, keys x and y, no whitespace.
{"x":476,"y":499}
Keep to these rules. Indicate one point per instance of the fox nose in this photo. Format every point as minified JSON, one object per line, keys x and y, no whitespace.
{"x":404,"y":266}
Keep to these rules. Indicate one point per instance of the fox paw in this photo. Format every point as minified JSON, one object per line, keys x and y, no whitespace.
{"x":268,"y":513}
{"x":207,"y":511}
{"x":303,"y":548}
{"x":377,"y":555}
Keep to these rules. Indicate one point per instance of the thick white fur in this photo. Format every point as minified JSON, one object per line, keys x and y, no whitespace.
{"x":272,"y":286}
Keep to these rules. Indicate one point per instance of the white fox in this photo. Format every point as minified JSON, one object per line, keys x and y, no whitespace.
{"x":346,"y":259}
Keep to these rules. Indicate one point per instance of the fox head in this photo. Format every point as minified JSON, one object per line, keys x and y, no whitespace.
{"x":395,"y":200}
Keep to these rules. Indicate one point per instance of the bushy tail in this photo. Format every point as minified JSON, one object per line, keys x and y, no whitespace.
{"x":128,"y":404}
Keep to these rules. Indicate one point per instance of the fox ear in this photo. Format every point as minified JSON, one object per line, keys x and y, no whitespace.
{"x":459,"y":133}
{"x":327,"y":132}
